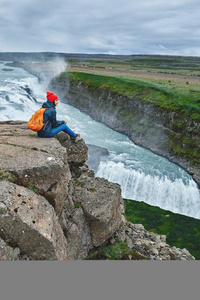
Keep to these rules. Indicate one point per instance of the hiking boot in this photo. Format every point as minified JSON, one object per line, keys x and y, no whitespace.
{"x":72,"y":138}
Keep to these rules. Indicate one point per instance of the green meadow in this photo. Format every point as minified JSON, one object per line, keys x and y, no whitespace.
{"x":181,"y":231}
{"x":160,"y":63}
{"x":165,"y":97}
{"x":170,"y":71}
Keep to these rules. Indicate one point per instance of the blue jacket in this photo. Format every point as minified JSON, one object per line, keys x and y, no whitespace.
{"x":49,"y":119}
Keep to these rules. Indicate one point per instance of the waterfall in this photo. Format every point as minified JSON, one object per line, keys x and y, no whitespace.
{"x":174,"y":195}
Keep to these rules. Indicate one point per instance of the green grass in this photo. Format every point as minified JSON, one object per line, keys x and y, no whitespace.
{"x":4,"y":175}
{"x":118,"y":251}
{"x":151,"y":63}
{"x":181,"y":231}
{"x":168,"y":98}
{"x":33,"y":188}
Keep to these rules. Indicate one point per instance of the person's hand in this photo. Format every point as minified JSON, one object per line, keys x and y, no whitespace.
{"x":65,"y":122}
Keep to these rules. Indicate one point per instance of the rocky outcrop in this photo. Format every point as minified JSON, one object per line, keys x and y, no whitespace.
{"x":35,"y":162}
{"x":171,"y":134}
{"x":29,"y":221}
{"x":149,"y":245}
{"x":52,"y":207}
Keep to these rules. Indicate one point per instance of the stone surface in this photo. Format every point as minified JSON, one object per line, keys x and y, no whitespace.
{"x":149,"y":245}
{"x":35,"y":162}
{"x":7,"y":252}
{"x":77,"y":232}
{"x":29,"y":222}
{"x":101,"y":202}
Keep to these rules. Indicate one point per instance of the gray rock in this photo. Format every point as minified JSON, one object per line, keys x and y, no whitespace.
{"x":100,"y":200}
{"x":77,"y":232}
{"x":150,"y":245}
{"x":29,"y":222}
{"x":37,"y":163}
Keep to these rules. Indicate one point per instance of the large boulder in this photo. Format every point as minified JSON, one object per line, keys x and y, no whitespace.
{"x":77,"y":152}
{"x":102,"y":204}
{"x":34,"y":162}
{"x":29,"y":222}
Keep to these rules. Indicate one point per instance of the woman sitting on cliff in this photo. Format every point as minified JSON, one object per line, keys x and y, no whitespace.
{"x":51,"y":125}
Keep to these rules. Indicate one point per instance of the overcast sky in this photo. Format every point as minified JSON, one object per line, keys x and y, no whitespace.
{"x":169,"y":27}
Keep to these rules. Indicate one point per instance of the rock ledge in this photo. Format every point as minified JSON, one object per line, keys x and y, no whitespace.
{"x":53,"y":208}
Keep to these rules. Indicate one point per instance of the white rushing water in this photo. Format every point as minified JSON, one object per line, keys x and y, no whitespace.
{"x":143,"y":176}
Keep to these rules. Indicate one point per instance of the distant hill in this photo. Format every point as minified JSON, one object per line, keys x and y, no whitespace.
{"x":42,"y":56}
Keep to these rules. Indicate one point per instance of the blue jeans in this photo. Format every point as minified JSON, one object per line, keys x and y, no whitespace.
{"x":64,"y":128}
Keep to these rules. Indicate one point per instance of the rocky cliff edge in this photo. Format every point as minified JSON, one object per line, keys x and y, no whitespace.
{"x":52,"y":207}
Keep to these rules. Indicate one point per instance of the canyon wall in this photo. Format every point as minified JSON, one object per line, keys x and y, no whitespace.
{"x":166,"y":132}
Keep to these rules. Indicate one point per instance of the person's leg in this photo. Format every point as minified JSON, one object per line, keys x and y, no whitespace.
{"x":64,"y":128}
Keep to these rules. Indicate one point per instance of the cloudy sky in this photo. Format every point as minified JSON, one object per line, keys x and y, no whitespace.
{"x":105,"y":26}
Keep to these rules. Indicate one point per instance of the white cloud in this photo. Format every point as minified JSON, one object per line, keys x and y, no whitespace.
{"x":106,"y":26}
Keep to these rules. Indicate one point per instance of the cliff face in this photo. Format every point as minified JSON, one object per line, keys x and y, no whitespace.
{"x":53,"y":208}
{"x":165,"y":132}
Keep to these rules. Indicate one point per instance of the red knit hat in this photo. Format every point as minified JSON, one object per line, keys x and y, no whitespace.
{"x":51,"y":96}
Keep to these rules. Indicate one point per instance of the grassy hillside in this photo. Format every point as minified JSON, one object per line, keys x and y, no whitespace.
{"x":186,"y":103}
{"x":181,"y":231}
{"x":174,"y":99}
{"x":160,"y":63}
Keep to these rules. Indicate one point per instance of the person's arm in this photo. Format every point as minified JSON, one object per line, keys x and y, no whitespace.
{"x":53,"y":120}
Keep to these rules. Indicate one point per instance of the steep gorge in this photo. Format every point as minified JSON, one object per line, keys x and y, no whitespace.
{"x":167,"y":132}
